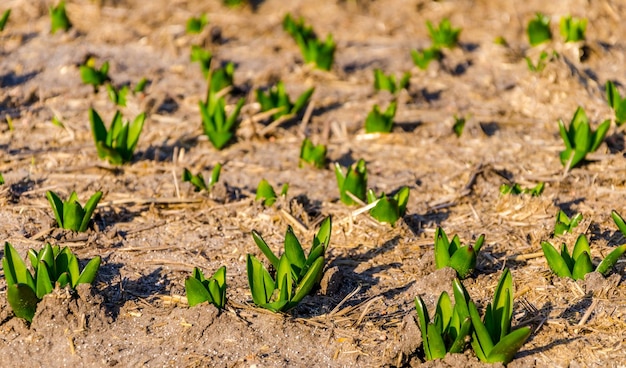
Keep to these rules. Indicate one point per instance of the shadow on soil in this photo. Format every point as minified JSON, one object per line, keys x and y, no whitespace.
{"x":116,"y":294}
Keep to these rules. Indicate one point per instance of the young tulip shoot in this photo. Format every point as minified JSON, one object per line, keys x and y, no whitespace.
{"x":452,"y":254}
{"x":196,"y":24}
{"x":70,"y":214}
{"x":539,"y":30}
{"x":277,"y":98}
{"x":266,"y":193}
{"x":564,"y":224}
{"x":52,"y":267}
{"x":311,"y":154}
{"x":296,"y":274}
{"x":580,"y":139}
{"x":619,"y":221}
{"x":381,"y":122}
{"x":492,"y":339}
{"x":577,"y":264}
{"x":450,"y":326}
{"x":383,"y":82}
{"x":517,"y":189}
{"x":320,"y":53}
{"x":59,"y":19}
{"x":219,"y":127}
{"x":353,"y":181}
{"x":212,"y":290}
{"x":4,"y":19}
{"x":389,"y":209}
{"x":444,"y":35}
{"x":198,"y":180}
{"x":423,"y":58}
{"x":118,"y":144}
{"x":459,"y":125}
{"x":616,"y":102}
{"x":573,"y":29}
{"x":94,"y":76}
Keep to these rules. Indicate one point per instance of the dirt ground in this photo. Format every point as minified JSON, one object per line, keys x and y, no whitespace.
{"x":151,"y":229}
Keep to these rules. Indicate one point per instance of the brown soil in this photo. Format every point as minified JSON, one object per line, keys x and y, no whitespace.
{"x":151,"y":229}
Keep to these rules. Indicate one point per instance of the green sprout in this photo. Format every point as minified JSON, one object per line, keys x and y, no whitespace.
{"x":140,"y":87}
{"x":212,"y":290}
{"x":459,"y":125}
{"x":381,"y":122}
{"x":117,"y":95}
{"x":450,"y":325}
{"x":198,"y":180}
{"x":265,"y":192}
{"x":577,"y":264}
{"x":203,"y":57}
{"x":383,"y":82}
{"x":580,"y":139}
{"x":616,"y":102}
{"x":353,"y":181}
{"x":4,"y":19}
{"x":452,"y":254}
{"x":539,"y":30}
{"x":492,"y":339}
{"x":1,"y":179}
{"x":564,"y":224}
{"x":277,"y":98}
{"x":423,"y":58}
{"x":51,"y":267}
{"x":296,"y":274}
{"x":70,"y":214}
{"x":312,"y":154}
{"x":517,"y":189}
{"x":58,"y":18}
{"x":94,"y":76}
{"x":119,"y":142}
{"x":619,"y":221}
{"x":321,"y":53}
{"x":389,"y":209}
{"x":542,"y":61}
{"x":443,"y":35}
{"x":219,"y":127}
{"x":573,"y":29}
{"x":196,"y":25}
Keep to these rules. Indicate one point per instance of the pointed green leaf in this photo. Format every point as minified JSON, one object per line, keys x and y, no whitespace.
{"x":309,"y":280}
{"x":72,"y":215}
{"x":23,"y":301}
{"x":598,"y":135}
{"x":424,"y":321}
{"x":293,"y":250}
{"x":44,"y":285}
{"x":90,"y":207}
{"x":443,"y":311}
{"x":302,"y":100}
{"x":505,"y":350}
{"x":463,"y":261}
{"x":265,"y":249}
{"x":459,"y":342}
{"x":196,"y":292}
{"x":582,"y":266}
{"x":555,"y":261}
{"x":15,"y":271}
{"x":619,"y":221}
{"x":442,"y":256}
{"x":323,"y":234}
{"x":581,"y":246}
{"x":89,"y":272}
{"x":481,"y":340}
{"x":57,"y":206}
{"x":611,"y":259}
{"x":435,"y":342}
